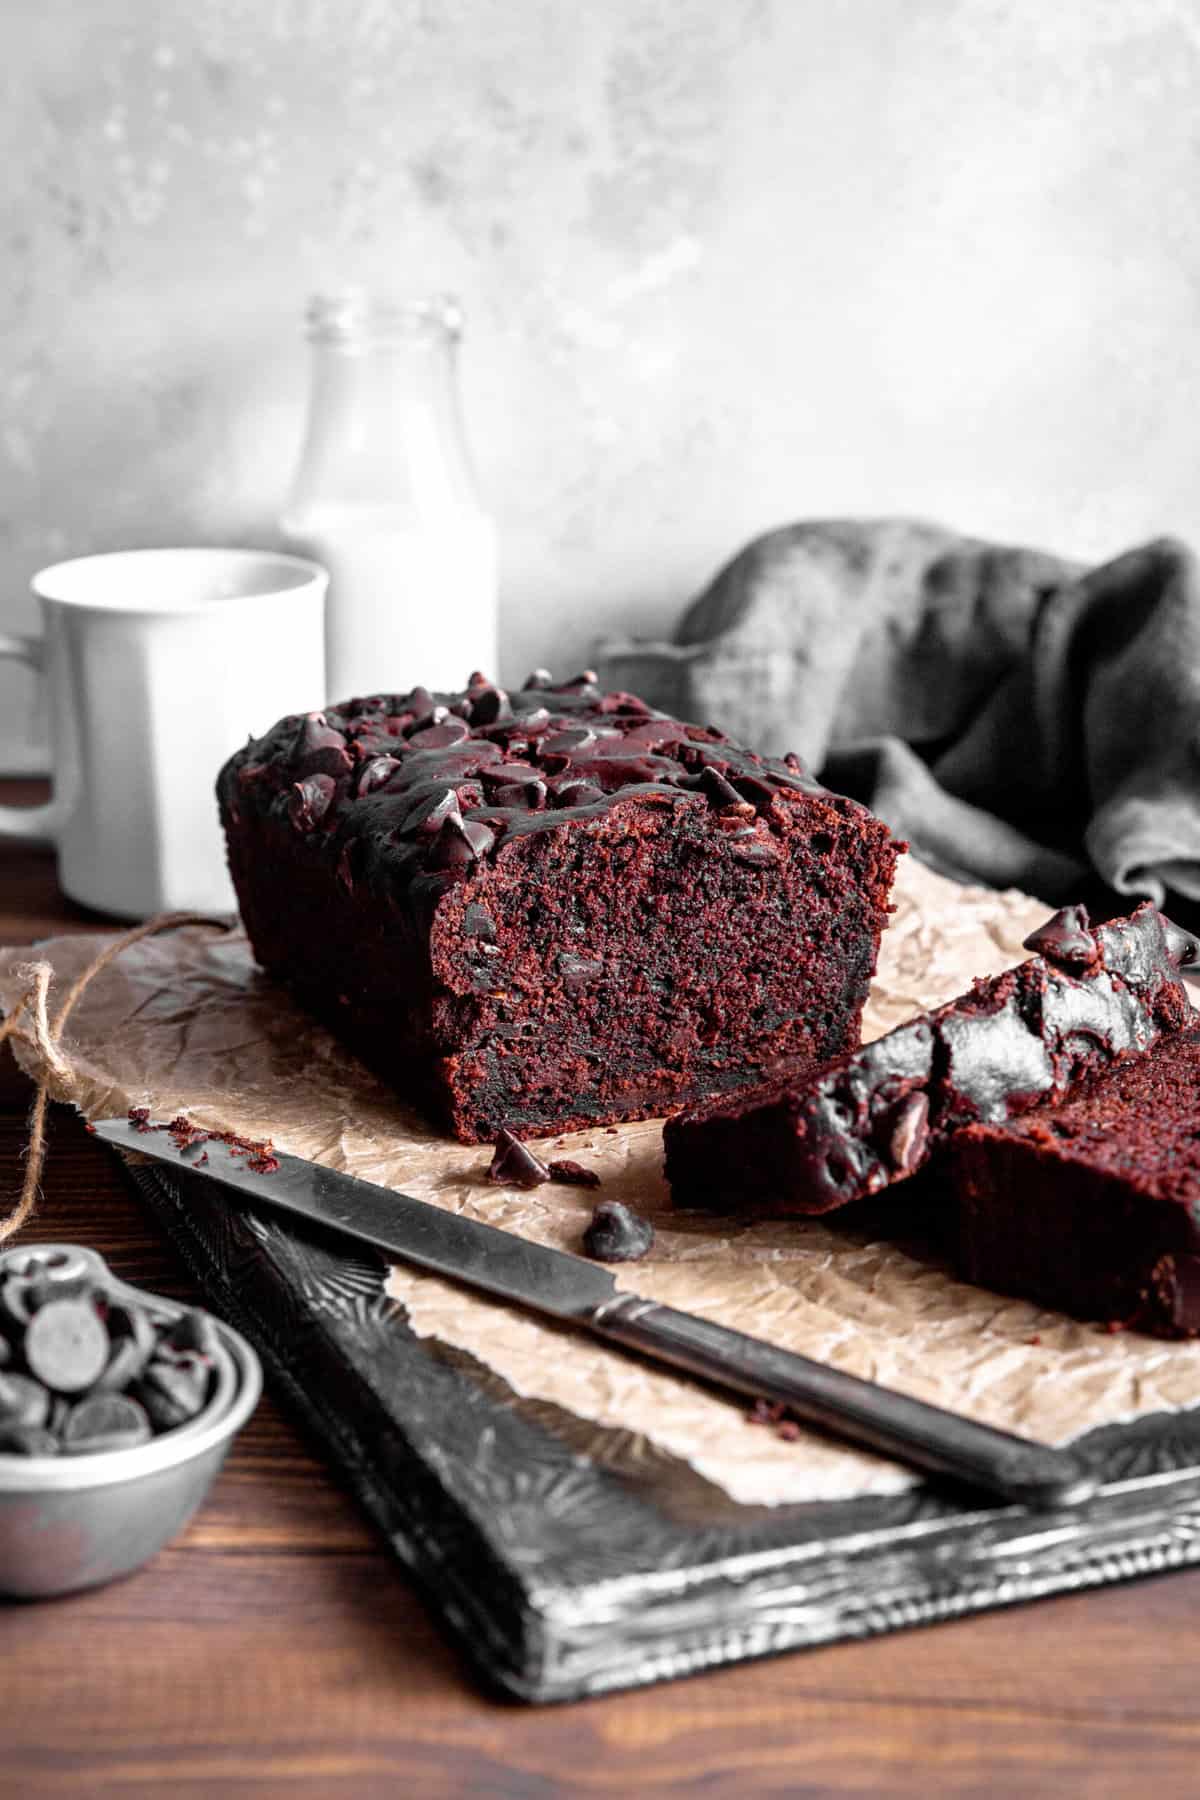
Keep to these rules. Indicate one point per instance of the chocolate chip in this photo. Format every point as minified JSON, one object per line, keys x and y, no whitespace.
{"x":1182,"y":947}
{"x":749,"y":848}
{"x":105,"y":1422}
{"x":172,"y":1395}
{"x":574,"y":737}
{"x":573,"y":1174}
{"x":489,"y":706}
{"x":459,"y":843}
{"x":426,"y":721}
{"x":441,"y":735}
{"x":761,"y":793}
{"x":17,"y":1305}
{"x":722,"y":795}
{"x":23,"y":1401}
{"x":617,"y":1234}
{"x":702,"y":756}
{"x":130,"y":1322}
{"x":504,"y":773}
{"x":625,"y":704}
{"x":429,"y":813}
{"x":310,"y":800}
{"x":529,"y":794}
{"x":27,"y":1440}
{"x":318,"y":748}
{"x":194,"y":1333}
{"x":578,"y":971}
{"x":578,"y":793}
{"x":458,"y":760}
{"x":376,"y":773}
{"x":611,"y":766}
{"x":83,"y":1347}
{"x":910,"y":1132}
{"x":420,"y":703}
{"x":1066,"y":938}
{"x":126,"y":1361}
{"x":509,"y":783}
{"x":514,"y":1164}
{"x":479,"y":924}
{"x":43,"y":1283}
{"x":66,"y":1345}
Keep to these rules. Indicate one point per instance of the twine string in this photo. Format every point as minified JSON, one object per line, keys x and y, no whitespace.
{"x":33,"y":1005}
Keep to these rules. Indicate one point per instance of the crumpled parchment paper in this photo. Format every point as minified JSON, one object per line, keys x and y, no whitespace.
{"x":186,"y":1023}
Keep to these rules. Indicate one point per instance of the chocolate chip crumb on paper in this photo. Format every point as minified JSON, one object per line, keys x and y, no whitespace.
{"x":187,"y":1026}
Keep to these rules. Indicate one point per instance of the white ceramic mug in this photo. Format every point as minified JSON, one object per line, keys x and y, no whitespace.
{"x":158,"y":664}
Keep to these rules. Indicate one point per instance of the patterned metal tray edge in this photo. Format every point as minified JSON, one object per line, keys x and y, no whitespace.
{"x":559,"y":1578}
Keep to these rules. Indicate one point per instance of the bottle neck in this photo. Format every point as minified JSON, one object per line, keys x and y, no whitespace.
{"x":384,"y":425}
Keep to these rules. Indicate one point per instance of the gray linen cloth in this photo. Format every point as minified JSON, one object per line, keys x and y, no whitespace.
{"x":1022,"y":720}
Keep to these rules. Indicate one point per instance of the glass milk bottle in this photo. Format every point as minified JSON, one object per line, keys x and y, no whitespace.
{"x":385,"y":497}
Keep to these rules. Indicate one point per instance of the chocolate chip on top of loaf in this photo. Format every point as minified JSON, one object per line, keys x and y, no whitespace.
{"x":556,"y":906}
{"x":450,"y":776}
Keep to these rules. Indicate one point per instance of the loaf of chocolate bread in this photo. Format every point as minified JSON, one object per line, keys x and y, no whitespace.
{"x":811,"y":1142}
{"x":553,"y":908}
{"x":1093,"y":1206}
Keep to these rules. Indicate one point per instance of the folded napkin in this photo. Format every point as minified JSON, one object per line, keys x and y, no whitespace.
{"x":1020,"y":719}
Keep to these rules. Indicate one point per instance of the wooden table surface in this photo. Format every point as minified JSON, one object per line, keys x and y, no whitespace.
{"x":274,"y":1648}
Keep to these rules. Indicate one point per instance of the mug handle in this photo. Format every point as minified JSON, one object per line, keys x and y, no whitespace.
{"x":33,"y":824}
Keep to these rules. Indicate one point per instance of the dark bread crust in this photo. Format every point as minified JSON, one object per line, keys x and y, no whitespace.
{"x":556,"y":908}
{"x":872,"y":1118}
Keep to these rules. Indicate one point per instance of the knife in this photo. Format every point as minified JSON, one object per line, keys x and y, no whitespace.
{"x":584,"y":1294}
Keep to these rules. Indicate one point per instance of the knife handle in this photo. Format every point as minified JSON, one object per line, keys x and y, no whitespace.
{"x":877,"y":1418}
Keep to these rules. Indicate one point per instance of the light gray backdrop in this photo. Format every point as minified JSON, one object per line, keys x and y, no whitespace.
{"x":725,"y":262}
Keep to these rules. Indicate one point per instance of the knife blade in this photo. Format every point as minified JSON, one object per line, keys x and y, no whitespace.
{"x":585,"y":1294}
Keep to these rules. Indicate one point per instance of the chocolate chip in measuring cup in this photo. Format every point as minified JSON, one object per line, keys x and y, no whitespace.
{"x":23,"y":1401}
{"x":104,"y":1422}
{"x":27,"y":1440}
{"x":16,"y":1308}
{"x":66,"y":1345}
{"x":127,"y":1359}
{"x":86,"y":1369}
{"x":194,"y":1331}
{"x":172,"y":1395}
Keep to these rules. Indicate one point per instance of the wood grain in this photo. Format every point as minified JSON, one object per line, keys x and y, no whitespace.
{"x":274,"y":1648}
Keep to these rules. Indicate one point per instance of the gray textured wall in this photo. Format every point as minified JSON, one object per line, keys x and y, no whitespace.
{"x":725,"y":262}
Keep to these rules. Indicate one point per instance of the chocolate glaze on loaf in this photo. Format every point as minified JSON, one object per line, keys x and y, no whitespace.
{"x":555,"y":907}
{"x":1093,"y":1206}
{"x":810,"y":1143}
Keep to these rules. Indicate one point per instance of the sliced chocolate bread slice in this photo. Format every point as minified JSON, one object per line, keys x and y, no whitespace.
{"x":1093,"y":1207}
{"x":819,"y":1139}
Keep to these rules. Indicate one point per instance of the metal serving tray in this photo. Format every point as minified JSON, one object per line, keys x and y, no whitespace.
{"x":564,"y":1574}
